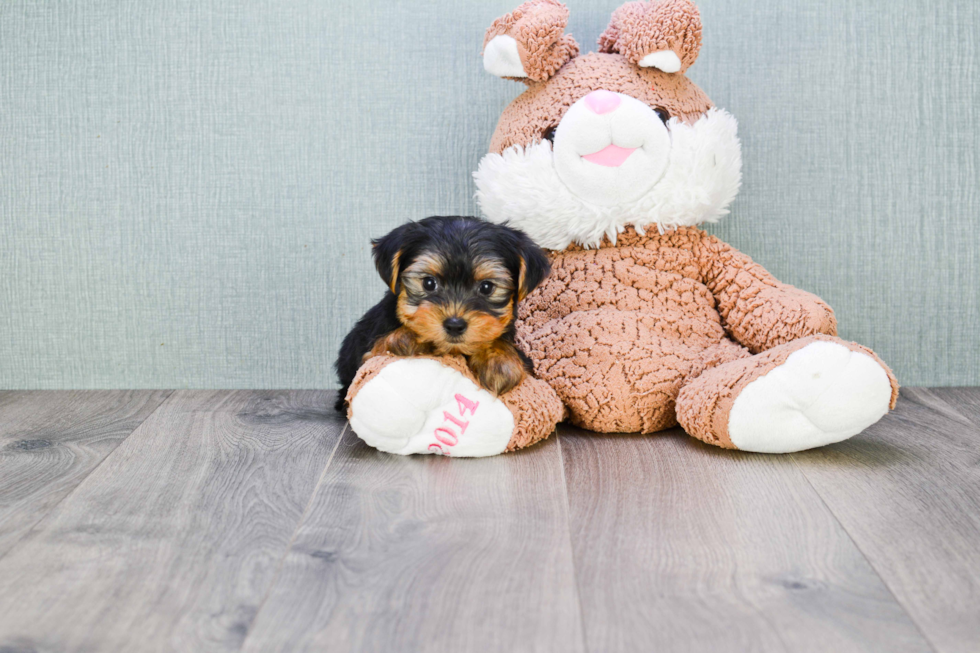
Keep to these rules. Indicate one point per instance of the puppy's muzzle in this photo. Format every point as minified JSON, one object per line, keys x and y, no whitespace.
{"x":454,"y":326}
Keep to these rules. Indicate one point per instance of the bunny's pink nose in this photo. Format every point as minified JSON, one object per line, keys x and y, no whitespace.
{"x":602,"y":101}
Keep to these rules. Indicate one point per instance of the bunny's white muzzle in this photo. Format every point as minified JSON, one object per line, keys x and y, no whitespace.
{"x":614,"y":163}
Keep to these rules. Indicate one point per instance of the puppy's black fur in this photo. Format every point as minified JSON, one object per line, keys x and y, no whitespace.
{"x":438,"y":269}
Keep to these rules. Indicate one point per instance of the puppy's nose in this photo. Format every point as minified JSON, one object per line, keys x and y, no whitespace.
{"x":454,"y":326}
{"x":602,"y":101}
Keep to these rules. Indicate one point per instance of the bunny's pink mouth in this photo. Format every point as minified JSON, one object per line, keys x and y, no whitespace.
{"x":611,"y":156}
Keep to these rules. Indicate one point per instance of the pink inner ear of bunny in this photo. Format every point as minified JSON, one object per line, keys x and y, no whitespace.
{"x":538,"y":28}
{"x":641,"y":28}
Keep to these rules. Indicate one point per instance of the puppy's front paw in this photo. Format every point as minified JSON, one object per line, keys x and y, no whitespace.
{"x":499,"y":368}
{"x":400,"y":342}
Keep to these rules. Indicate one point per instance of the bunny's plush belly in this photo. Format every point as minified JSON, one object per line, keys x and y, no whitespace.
{"x":621,"y":371}
{"x":617,"y":332}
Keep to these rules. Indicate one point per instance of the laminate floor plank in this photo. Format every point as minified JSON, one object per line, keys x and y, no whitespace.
{"x":173,"y":541}
{"x":965,"y":401}
{"x":908,"y":492}
{"x":680,"y":546}
{"x":425,"y":553}
{"x":219,"y":521}
{"x":51,"y":440}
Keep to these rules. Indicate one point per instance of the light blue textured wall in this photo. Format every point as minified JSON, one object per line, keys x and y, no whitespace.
{"x":187,"y":188}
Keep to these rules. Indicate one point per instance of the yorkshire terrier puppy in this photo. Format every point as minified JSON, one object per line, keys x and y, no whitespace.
{"x":453,"y":288}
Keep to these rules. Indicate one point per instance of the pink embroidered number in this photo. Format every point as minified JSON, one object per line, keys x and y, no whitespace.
{"x":449,"y":439}
{"x":445,"y":435}
{"x":465,"y":404}
{"x":461,"y":424}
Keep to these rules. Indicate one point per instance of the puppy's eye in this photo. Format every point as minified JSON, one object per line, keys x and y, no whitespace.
{"x":487,"y":288}
{"x":429,"y":284}
{"x":663,"y":114}
{"x":549,"y":134}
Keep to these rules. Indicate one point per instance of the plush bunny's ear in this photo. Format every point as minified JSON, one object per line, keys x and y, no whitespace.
{"x":529,"y":42}
{"x":662,"y":34}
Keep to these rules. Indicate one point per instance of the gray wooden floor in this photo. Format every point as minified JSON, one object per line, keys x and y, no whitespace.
{"x":254,"y":520}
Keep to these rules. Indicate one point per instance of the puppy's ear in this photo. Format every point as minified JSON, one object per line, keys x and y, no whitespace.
{"x":387,"y":252}
{"x":534,"y":266}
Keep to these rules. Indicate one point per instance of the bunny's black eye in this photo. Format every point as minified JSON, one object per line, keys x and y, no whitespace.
{"x":487,"y":288}
{"x":429,"y":284}
{"x":549,"y":134}
{"x":663,"y":114}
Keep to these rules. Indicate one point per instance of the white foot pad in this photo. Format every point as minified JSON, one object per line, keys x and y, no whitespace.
{"x":823,"y":393}
{"x":417,"y":405}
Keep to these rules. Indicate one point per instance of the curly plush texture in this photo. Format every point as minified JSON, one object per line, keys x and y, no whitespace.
{"x":537,"y":27}
{"x":618,"y":331}
{"x":536,"y":409}
{"x":640,"y":28}
{"x":535,"y":406}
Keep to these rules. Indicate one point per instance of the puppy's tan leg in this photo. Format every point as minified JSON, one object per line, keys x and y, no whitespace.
{"x":400,"y":342}
{"x":498,"y":367}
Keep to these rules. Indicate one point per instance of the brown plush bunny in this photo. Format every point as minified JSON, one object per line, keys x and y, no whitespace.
{"x":610,"y":160}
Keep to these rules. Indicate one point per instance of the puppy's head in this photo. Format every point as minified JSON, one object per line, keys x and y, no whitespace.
{"x":458,"y":280}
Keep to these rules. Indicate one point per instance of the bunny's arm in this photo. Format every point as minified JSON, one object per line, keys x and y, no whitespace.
{"x":757,"y":310}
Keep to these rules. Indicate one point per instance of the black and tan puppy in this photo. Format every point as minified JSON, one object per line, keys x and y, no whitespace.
{"x":453,"y":288}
